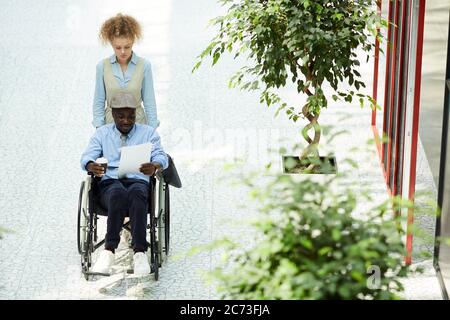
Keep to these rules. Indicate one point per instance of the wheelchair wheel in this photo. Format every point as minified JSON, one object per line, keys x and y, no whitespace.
{"x":86,"y":263}
{"x":82,"y":220}
{"x":156,"y":263}
{"x":160,"y":239}
{"x":85,"y":230}
{"x":86,"y":256}
{"x":166,"y":219}
{"x":163,"y":221}
{"x":154,"y":252}
{"x":154,"y":255}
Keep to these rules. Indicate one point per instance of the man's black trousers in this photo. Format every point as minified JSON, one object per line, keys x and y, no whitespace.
{"x":120,"y":197}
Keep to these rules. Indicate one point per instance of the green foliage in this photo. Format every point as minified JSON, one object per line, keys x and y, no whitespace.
{"x":311,"y":245}
{"x":307,"y":43}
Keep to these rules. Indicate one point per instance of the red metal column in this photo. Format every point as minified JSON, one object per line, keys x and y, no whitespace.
{"x":375,"y":69}
{"x":391,"y":103}
{"x":375,"y":90}
{"x":415,"y":130}
{"x":402,"y":79}
{"x":387,"y":82}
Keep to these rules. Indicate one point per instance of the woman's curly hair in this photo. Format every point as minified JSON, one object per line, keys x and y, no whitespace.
{"x":120,"y":26}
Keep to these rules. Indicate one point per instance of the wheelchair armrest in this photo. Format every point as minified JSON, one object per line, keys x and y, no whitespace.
{"x":88,"y":179}
{"x":93,"y":177}
{"x":170,"y":174}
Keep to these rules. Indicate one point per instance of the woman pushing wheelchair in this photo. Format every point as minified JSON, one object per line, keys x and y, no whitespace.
{"x":123,"y":70}
{"x":124,"y":113}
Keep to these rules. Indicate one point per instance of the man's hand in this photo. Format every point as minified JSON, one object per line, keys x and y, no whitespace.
{"x":149,"y":168}
{"x":96,"y":169}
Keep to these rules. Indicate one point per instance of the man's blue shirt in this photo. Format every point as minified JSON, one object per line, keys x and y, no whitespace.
{"x":106,"y":142}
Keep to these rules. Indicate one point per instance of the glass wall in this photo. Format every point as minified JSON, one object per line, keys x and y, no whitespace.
{"x":433,"y":86}
{"x":442,"y":251}
{"x":433,"y":139}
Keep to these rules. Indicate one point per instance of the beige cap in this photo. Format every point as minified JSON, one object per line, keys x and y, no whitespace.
{"x":124,"y":100}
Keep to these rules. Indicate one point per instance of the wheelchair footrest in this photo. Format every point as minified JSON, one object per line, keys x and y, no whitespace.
{"x":152,"y":270}
{"x":96,"y":273}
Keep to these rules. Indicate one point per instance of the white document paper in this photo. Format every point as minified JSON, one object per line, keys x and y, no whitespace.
{"x":132,"y":157}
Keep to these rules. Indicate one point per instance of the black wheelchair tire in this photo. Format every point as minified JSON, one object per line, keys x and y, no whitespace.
{"x":167,"y":219}
{"x":80,"y":197}
{"x":156,"y":261}
{"x":154,"y":249}
{"x":153,"y":229}
{"x":85,"y":264}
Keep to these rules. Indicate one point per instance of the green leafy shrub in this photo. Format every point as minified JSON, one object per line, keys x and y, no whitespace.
{"x":310,"y":244}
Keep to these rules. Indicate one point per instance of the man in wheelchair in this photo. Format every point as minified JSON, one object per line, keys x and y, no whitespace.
{"x":123,"y":195}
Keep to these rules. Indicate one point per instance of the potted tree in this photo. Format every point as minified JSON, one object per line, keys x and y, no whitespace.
{"x":304,"y":43}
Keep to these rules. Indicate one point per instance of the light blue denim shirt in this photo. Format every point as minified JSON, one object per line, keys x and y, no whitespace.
{"x":147,"y":91}
{"x":106,"y":142}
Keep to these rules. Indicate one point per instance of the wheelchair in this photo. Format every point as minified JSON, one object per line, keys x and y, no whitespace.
{"x":158,"y":223}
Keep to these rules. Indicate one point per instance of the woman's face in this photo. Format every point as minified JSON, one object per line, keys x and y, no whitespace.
{"x":123,"y":48}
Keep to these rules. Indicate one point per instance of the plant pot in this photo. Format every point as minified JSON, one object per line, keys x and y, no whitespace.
{"x":324,"y":166}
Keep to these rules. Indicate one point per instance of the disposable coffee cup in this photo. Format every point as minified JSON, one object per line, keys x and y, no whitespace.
{"x":103,"y":162}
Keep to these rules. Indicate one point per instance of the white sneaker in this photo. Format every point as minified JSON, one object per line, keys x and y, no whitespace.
{"x":141,"y":266}
{"x":104,"y":262}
